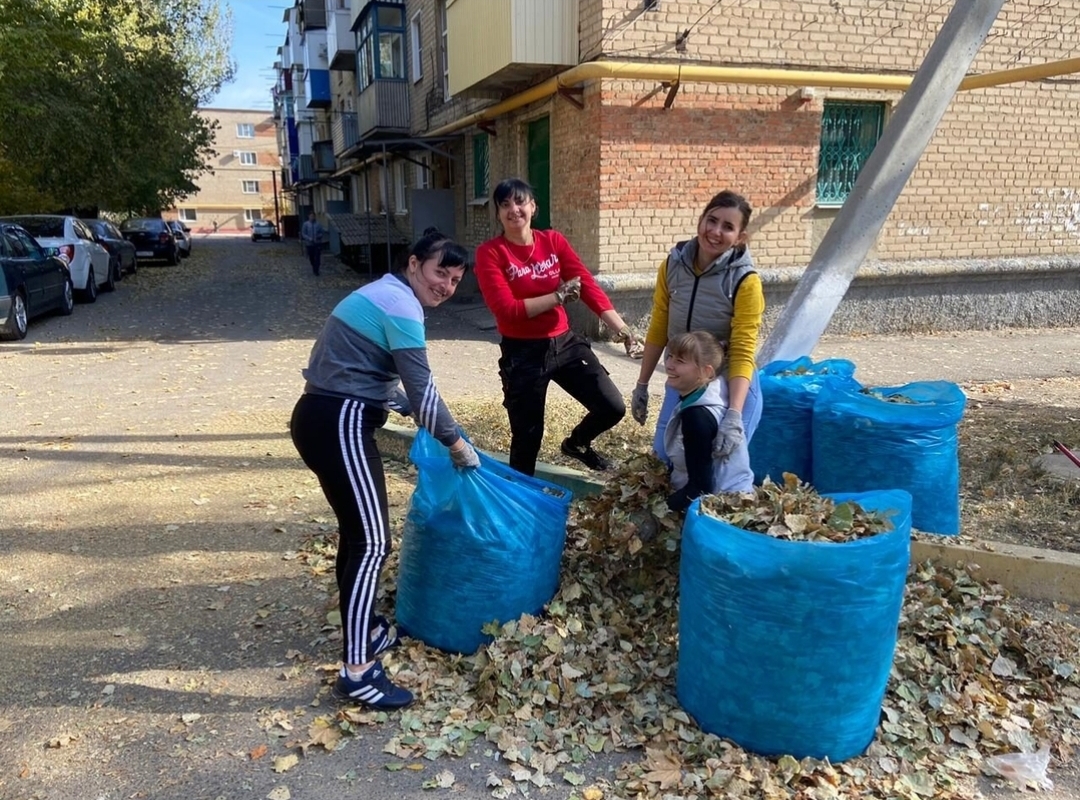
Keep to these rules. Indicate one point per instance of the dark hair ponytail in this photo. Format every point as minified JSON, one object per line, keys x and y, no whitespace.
{"x":434,"y":243}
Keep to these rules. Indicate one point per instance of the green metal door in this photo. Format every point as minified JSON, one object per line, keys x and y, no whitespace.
{"x":540,"y":169}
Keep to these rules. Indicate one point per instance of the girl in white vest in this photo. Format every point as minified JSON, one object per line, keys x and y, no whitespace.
{"x":693,"y":362}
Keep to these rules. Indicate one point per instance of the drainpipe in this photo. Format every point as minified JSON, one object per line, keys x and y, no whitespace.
{"x":633,"y":70}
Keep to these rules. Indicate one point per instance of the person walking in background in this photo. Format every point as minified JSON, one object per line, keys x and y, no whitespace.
{"x":373,"y":337}
{"x":709,"y":283}
{"x":692,"y":363}
{"x":311,"y":234}
{"x":527,"y":277}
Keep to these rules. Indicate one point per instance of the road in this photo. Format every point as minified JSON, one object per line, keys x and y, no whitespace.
{"x":158,"y":624}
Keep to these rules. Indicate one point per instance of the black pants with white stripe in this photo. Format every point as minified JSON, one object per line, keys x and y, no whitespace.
{"x":336,"y":439}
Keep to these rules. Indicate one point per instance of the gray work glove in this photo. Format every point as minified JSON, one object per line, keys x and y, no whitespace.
{"x":400,"y":403}
{"x":465,"y":457}
{"x":730,"y":434}
{"x":568,"y":291}
{"x":639,"y":403}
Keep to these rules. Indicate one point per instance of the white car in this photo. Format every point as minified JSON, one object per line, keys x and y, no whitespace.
{"x":88,"y":262}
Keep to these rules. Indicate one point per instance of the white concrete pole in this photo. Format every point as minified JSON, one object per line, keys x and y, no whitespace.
{"x":821,"y":288}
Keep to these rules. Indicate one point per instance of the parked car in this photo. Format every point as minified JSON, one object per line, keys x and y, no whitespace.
{"x":88,"y":261}
{"x":31,"y":282}
{"x":125,"y":261}
{"x":182,"y":234}
{"x":264,"y":229}
{"x":153,"y":239}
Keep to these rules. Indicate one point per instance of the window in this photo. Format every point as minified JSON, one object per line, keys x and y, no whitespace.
{"x":380,"y":53}
{"x":81,"y":230}
{"x":252,"y":214}
{"x":250,"y":187}
{"x":188,"y":215}
{"x":245,"y":130}
{"x":417,"y":48}
{"x":849,"y":131}
{"x":481,"y":165}
{"x":399,"y":187}
{"x":249,"y":158}
{"x":423,"y":172}
{"x":444,"y":51}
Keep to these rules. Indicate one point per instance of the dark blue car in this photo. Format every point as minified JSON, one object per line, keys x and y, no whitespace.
{"x":32,"y":281}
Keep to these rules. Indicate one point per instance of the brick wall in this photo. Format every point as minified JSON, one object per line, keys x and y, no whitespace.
{"x":221,"y":198}
{"x":1000,"y":177}
{"x":629,"y":177}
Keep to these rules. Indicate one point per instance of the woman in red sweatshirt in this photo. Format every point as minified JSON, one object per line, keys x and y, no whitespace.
{"x":526,"y":277}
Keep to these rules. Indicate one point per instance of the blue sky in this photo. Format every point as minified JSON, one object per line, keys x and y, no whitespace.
{"x":257,"y":33}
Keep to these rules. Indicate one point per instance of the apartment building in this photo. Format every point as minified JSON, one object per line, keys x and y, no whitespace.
{"x":245,"y":173}
{"x":658,"y":104}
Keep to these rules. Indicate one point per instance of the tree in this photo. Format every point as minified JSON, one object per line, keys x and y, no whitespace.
{"x":99,"y":99}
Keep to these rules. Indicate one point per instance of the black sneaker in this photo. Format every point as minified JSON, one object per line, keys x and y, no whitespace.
{"x":387,"y":637}
{"x":585,"y":454}
{"x":373,"y":689}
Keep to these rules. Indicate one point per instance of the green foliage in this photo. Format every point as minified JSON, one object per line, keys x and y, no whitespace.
{"x":98,"y":101}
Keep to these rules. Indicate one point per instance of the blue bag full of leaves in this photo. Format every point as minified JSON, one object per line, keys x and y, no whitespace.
{"x":781,"y":442}
{"x":478,"y":546}
{"x":785,"y":647}
{"x":893,"y":437}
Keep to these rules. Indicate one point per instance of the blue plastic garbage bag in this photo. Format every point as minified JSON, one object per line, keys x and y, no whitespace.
{"x":478,"y":546}
{"x":862,"y":442}
{"x":788,"y":390}
{"x":785,"y":647}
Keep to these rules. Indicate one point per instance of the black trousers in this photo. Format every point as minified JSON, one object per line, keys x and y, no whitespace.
{"x":527,"y":366}
{"x":336,"y":439}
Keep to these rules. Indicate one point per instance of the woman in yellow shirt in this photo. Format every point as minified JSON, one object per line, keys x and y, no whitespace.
{"x":709,"y":283}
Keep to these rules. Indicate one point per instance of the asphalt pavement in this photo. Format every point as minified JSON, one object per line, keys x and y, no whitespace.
{"x":153,"y":507}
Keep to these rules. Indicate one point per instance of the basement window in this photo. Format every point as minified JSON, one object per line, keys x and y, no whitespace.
{"x":849,"y":132}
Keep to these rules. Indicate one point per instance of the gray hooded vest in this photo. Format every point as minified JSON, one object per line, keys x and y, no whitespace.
{"x":704,"y":302}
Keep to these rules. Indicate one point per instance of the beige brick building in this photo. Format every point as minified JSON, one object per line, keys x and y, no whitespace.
{"x":624,"y":159}
{"x":245,"y":169}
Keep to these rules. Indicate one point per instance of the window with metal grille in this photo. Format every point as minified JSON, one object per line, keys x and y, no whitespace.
{"x":481,"y":165}
{"x":849,"y":132}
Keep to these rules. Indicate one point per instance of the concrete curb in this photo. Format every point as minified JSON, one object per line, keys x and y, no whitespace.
{"x":1024,"y":571}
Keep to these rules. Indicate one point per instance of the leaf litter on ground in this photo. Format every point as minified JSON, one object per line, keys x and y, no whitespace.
{"x":974,"y":674}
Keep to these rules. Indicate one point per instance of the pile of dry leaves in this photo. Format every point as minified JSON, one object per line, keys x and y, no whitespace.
{"x":972,"y":677}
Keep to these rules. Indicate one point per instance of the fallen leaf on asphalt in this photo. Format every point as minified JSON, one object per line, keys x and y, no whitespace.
{"x":258,"y":752}
{"x":442,"y":780}
{"x":279,"y":793}
{"x":324,"y":734}
{"x":286,"y":762}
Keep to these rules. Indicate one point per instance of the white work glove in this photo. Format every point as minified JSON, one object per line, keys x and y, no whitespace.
{"x":464,"y":457}
{"x":730,"y":434}
{"x":639,"y":403}
{"x":568,"y":291}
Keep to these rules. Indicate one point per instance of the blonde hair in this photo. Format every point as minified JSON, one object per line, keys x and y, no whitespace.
{"x":699,"y":347}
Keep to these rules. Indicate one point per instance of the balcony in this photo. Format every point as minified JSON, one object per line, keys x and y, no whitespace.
{"x":383,"y":108}
{"x":345,"y":132}
{"x":322,"y":153}
{"x":317,"y":88}
{"x":312,"y":15}
{"x":303,"y":169}
{"x":500,"y":46}
{"x":358,"y":7}
{"x":341,"y":41}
